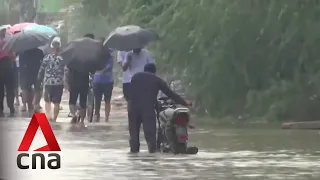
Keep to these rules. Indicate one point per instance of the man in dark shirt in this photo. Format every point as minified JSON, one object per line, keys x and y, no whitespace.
{"x":7,"y":82}
{"x":29,"y":63}
{"x":144,"y":89}
{"x":78,"y":83}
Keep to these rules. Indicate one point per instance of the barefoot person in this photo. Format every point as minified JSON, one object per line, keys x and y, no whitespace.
{"x":30,"y":62}
{"x":19,"y":82}
{"x":78,"y":85}
{"x":102,"y":86}
{"x":52,"y":74}
{"x":125,"y":75}
{"x":20,"y":93}
{"x":17,"y":103}
{"x":7,"y":84}
{"x":7,"y":75}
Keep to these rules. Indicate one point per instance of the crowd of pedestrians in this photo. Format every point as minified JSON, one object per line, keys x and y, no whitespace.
{"x":41,"y":74}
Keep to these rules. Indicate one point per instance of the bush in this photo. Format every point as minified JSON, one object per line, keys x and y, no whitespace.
{"x":256,"y":57}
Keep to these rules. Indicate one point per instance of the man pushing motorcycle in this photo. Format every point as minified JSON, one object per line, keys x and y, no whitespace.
{"x":143,"y":99}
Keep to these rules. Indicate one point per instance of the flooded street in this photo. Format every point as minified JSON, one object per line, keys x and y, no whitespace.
{"x":100,"y":151}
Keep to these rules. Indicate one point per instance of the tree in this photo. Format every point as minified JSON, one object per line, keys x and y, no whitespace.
{"x":257,"y":58}
{"x":28,"y":10}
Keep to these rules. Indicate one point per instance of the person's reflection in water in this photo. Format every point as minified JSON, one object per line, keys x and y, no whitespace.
{"x":146,"y":162}
{"x":144,"y":90}
{"x":56,"y":127}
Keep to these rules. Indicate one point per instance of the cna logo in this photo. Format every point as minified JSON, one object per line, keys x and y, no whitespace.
{"x":53,"y":161}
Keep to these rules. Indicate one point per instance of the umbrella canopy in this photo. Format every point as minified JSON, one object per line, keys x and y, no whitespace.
{"x":19,"y":27}
{"x":43,"y":29}
{"x":8,"y":26}
{"x":130,"y":37}
{"x":26,"y":40}
{"x":84,"y":55}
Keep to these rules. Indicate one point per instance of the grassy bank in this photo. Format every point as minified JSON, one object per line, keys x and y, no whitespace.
{"x":260,"y":123}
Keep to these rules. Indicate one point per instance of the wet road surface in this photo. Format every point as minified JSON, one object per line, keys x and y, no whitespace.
{"x":100,"y":151}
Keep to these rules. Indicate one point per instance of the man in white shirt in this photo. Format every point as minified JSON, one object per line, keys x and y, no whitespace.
{"x":134,"y":62}
{"x":126,"y":77}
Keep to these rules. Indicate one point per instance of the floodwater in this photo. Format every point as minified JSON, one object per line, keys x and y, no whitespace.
{"x":101,"y":152}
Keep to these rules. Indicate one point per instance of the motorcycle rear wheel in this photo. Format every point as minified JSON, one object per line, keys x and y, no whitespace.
{"x":192,"y":150}
{"x":180,"y":148}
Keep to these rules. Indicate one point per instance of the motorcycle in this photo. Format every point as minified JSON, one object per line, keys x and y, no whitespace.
{"x":173,"y":123}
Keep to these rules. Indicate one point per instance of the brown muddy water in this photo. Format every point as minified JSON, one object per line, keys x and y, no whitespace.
{"x":101,"y":152}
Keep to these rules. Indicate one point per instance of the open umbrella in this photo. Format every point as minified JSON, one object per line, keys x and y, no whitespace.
{"x":84,"y":55}
{"x":7,"y":26}
{"x":3,"y":42}
{"x":43,"y":29}
{"x":26,"y":40}
{"x":18,"y":27}
{"x":130,"y":37}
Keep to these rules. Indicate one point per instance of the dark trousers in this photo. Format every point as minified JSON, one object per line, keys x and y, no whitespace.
{"x":126,"y":90}
{"x":7,"y":82}
{"x":81,"y":93}
{"x":53,"y":93}
{"x":147,"y":117}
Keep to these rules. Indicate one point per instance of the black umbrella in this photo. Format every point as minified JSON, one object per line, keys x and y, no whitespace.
{"x":24,"y":41}
{"x":85,"y":55}
{"x":130,"y":37}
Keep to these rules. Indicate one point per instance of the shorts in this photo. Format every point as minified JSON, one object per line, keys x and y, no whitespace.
{"x":53,"y":93}
{"x":29,"y":82}
{"x":126,"y":90}
{"x":82,"y":93}
{"x":100,"y":89}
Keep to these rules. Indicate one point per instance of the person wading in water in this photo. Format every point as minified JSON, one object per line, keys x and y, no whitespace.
{"x":144,"y":89}
{"x":29,"y":62}
{"x":102,"y":86}
{"x":51,"y":73}
{"x":7,"y":75}
{"x":78,"y":85}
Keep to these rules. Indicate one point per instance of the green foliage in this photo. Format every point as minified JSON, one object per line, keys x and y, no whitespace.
{"x":8,"y":12}
{"x":80,"y":22}
{"x":98,"y":8}
{"x":92,"y":7}
{"x":254,"y":57}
